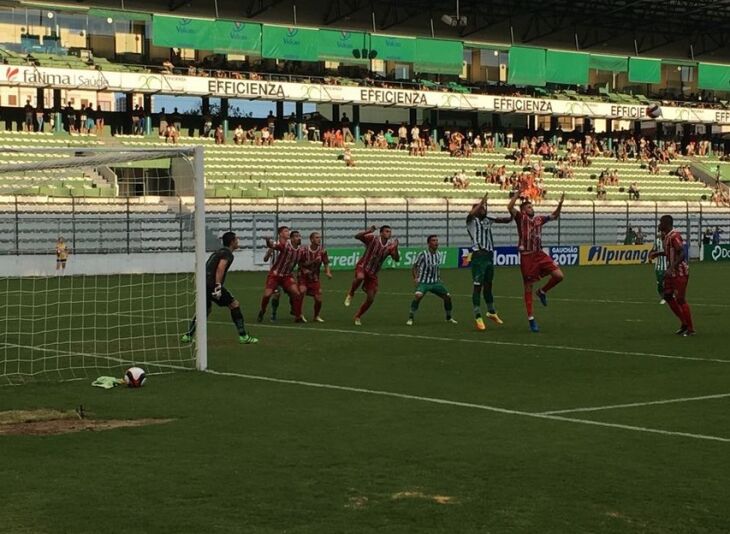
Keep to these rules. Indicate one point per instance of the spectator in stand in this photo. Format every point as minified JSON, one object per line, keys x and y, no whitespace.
{"x":88,"y":118}
{"x":163,"y":122}
{"x":347,"y":157}
{"x":267,"y":139}
{"x":142,"y":121}
{"x":82,"y":120}
{"x":176,"y":120}
{"x":390,"y":141}
{"x":291,"y":127}
{"x":271,"y":124}
{"x":653,"y":166}
{"x":251,"y":136}
{"x":99,"y":120}
{"x":219,"y":135}
{"x":346,"y":133}
{"x":239,"y":136}
{"x":367,"y":139}
{"x":634,"y":191}
{"x":70,"y":118}
{"x":601,"y":190}
{"x":639,"y":239}
{"x":40,"y":116}
{"x":28,"y":122}
{"x":207,"y":125}
{"x":171,"y":134}
{"x":716,"y":235}
{"x":339,"y":140}
{"x":415,"y":133}
{"x":380,"y":141}
{"x":135,"y":120}
{"x":402,"y":137}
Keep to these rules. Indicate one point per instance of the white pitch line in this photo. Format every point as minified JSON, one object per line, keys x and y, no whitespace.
{"x":460,"y":404}
{"x":489,"y":342}
{"x":637,"y":404}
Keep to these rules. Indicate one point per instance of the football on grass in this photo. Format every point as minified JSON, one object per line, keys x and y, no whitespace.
{"x":134,"y":377}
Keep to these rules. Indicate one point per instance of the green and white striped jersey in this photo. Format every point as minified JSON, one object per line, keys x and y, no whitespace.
{"x":480,"y":232}
{"x":660,"y":262}
{"x":428,"y":264}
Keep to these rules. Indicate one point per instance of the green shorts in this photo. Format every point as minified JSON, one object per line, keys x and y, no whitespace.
{"x":482,"y":267}
{"x":437,"y":289}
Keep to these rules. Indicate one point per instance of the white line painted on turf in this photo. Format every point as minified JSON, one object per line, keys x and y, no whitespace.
{"x":460,"y":404}
{"x":637,"y":404}
{"x":317,"y":328}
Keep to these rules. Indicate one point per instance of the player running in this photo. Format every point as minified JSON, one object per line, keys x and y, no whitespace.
{"x":216,"y":269}
{"x":660,"y":267}
{"x":427,"y":277}
{"x":534,"y":263}
{"x":281,"y":272}
{"x":677,"y":274}
{"x":377,"y":249}
{"x":310,"y":263}
{"x":479,"y":227}
{"x":61,"y":255}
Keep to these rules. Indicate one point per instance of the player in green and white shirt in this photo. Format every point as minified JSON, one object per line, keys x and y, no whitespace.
{"x":660,"y":267}
{"x":427,"y":277}
{"x":479,"y":227}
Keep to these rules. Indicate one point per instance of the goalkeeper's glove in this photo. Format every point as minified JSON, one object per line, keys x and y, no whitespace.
{"x":217,"y":291}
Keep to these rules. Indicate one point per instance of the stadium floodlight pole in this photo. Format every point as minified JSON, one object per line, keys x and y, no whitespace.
{"x":201,"y":311}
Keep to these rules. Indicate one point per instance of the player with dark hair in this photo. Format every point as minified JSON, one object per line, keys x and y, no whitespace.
{"x":677,"y":274}
{"x":216,"y":269}
{"x":310,"y":264}
{"x":427,"y":277}
{"x":281,"y":273}
{"x":534,"y":263}
{"x":479,"y":227}
{"x":270,"y":257}
{"x":377,"y":249}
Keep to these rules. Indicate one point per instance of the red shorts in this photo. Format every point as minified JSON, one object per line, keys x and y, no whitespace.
{"x":274,"y":280}
{"x":535,"y":265}
{"x":676,"y":285}
{"x":309,"y":287}
{"x":370,"y":280}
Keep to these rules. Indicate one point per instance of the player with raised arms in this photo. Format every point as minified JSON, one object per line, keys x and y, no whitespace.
{"x":534,"y":263}
{"x":377,"y":249}
{"x":216,"y":269}
{"x":677,"y":274}
{"x":479,"y":227}
{"x":281,"y":273}
{"x":310,"y":264}
{"x":426,"y":272}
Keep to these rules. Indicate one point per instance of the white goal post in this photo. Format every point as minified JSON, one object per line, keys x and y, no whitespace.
{"x":117,"y":304}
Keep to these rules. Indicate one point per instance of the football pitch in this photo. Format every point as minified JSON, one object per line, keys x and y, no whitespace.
{"x":603,"y":422}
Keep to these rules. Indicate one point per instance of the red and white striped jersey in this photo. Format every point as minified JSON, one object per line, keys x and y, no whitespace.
{"x":529,"y":231}
{"x":375,"y":253}
{"x":311,"y":262}
{"x":673,"y":245}
{"x":286,"y":260}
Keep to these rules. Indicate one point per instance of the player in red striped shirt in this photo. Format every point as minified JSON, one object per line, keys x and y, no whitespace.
{"x":377,"y":249}
{"x":310,"y":264}
{"x":281,"y":272}
{"x":676,"y":276}
{"x":534,"y":263}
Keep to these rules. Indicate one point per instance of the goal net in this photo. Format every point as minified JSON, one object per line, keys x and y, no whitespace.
{"x":101,"y":254}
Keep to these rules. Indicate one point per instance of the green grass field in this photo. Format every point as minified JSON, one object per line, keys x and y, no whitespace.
{"x":388,"y":428}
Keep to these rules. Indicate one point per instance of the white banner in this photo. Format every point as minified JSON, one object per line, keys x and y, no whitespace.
{"x":250,"y":89}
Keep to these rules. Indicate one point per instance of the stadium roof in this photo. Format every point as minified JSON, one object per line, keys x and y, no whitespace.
{"x":656,"y":28}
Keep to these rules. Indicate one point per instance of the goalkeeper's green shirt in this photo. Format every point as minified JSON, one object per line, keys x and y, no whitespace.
{"x":211,"y":266}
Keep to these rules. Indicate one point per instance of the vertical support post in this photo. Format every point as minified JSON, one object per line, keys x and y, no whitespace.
{"x":199,"y":228}
{"x":230,"y":214}
{"x":128,"y":227}
{"x":365,"y":201}
{"x":17,"y":228}
{"x":408,"y":223}
{"x":448,"y":221}
{"x":321,"y":217}
{"x":73,"y":225}
{"x":180,"y":221}
{"x":559,"y":228}
{"x":594,"y":221}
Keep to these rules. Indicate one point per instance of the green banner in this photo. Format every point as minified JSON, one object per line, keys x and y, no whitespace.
{"x":569,"y":68}
{"x":391,"y":48}
{"x":642,"y":70}
{"x":608,"y":63}
{"x":340,"y":46}
{"x":238,"y":37}
{"x":716,"y":253}
{"x":439,"y":56}
{"x":344,"y":259}
{"x":526,"y":66}
{"x":177,"y":32}
{"x":298,"y":44}
{"x":711,"y":76}
{"x":118,"y":14}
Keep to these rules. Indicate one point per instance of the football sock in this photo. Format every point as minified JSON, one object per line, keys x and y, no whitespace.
{"x":489,"y":298}
{"x":297,"y":303}
{"x":264,"y":303}
{"x":414,"y":306}
{"x":476,"y":301}
{"x":687,"y":316}
{"x":237,"y":318}
{"x":551,"y":284}
{"x":448,"y":306}
{"x":274,"y":306}
{"x":364,"y":307}
{"x":676,"y":309}
{"x":528,"y":301}
{"x":355,"y":285}
{"x":317,"y":307}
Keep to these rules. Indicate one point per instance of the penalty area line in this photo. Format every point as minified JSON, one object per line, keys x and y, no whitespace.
{"x":637,"y":404}
{"x":484,"y":407}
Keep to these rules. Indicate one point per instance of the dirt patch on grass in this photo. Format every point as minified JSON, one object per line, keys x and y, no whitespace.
{"x":437,"y":499}
{"x":52,"y":422}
